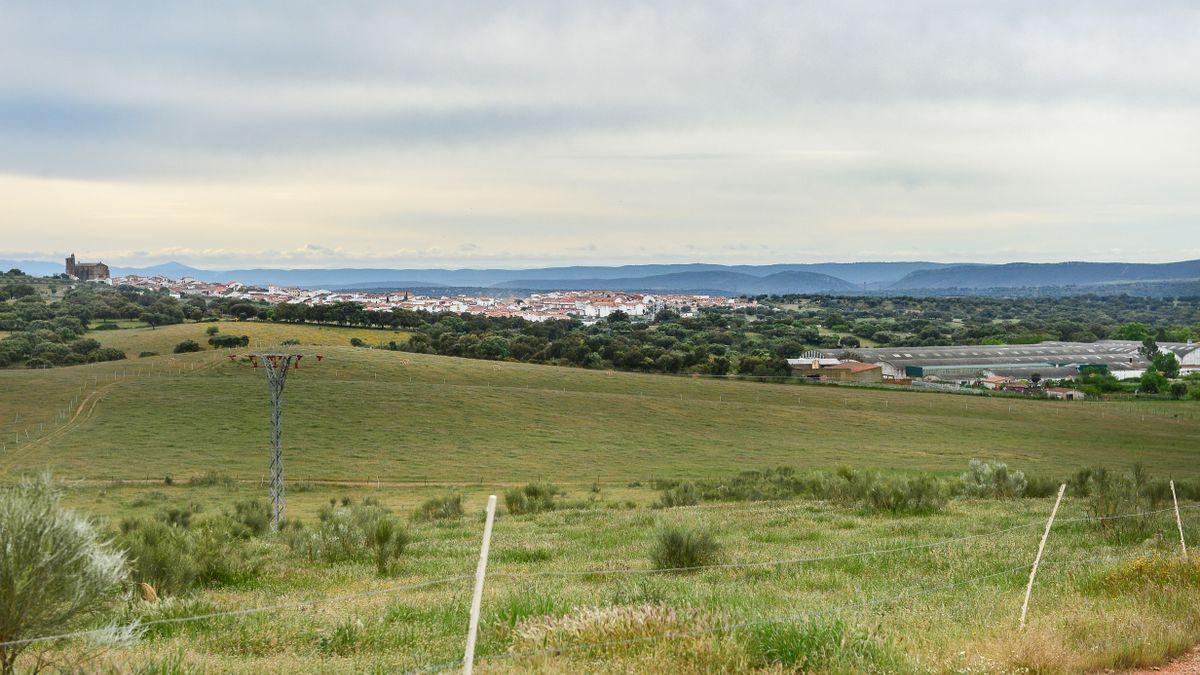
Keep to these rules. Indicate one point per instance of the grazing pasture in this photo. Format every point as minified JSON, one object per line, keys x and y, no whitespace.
{"x":807,"y":584}
{"x":376,"y":415}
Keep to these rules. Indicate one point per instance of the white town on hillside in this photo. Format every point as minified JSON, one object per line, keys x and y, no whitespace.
{"x":584,"y":305}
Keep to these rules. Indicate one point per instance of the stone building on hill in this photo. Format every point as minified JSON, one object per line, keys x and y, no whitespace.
{"x":97,"y":271}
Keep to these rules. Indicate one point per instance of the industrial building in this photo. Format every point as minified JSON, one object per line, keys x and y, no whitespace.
{"x":827,"y":369}
{"x":1050,"y":360}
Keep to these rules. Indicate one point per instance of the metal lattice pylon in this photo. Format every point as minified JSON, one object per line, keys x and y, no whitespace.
{"x":276,"y":367}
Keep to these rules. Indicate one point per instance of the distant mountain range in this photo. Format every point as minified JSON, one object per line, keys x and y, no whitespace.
{"x":844,"y":278}
{"x":1020,"y":275}
{"x":863,"y":275}
{"x":717,"y":282}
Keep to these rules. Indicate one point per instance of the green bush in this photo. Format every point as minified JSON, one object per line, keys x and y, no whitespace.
{"x":533,"y":498}
{"x":906,"y":495}
{"x":683,"y":547}
{"x":229,"y":341}
{"x":1111,"y":496}
{"x":54,"y":568}
{"x":993,"y":479}
{"x":1038,"y":487}
{"x":684,"y":494}
{"x":106,"y":354}
{"x":354,"y":533}
{"x":254,"y":514}
{"x":144,"y":355}
{"x":446,"y":507}
{"x":161,"y":555}
{"x":187,"y":346}
{"x":177,"y":558}
{"x":916,"y":495}
{"x":387,"y":539}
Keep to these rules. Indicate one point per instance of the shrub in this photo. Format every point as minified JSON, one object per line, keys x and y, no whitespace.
{"x":684,"y":494}
{"x":1037,"y":487}
{"x":682,"y":547}
{"x":387,"y":539}
{"x":55,"y":568}
{"x":254,"y":514}
{"x":229,"y":341}
{"x":1110,"y":494}
{"x":446,"y":507}
{"x":533,"y":498}
{"x":106,"y":354}
{"x":904,"y":494}
{"x":176,"y":558}
{"x":212,"y":479}
{"x":894,"y":494}
{"x":212,"y":330}
{"x":161,"y":555}
{"x":357,"y":342}
{"x":144,"y":355}
{"x":187,"y":346}
{"x":993,"y":479}
{"x":349,"y":534}
{"x":290,"y":341}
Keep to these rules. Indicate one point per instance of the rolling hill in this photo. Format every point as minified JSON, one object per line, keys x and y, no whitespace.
{"x":364,"y":412}
{"x":705,"y":282}
{"x":1028,"y":275}
{"x":862,"y":274}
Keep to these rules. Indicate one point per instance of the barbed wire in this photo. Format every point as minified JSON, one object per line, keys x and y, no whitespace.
{"x":838,"y":556}
{"x":554,"y":573}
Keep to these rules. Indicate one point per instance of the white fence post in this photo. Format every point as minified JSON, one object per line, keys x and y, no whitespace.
{"x":1038,"y":560}
{"x":1178,"y":521}
{"x":477,"y":598}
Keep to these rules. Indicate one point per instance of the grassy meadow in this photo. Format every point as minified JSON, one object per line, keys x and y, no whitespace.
{"x":399,"y":428}
{"x":375,"y":415}
{"x":582,"y":576}
{"x":134,"y":341}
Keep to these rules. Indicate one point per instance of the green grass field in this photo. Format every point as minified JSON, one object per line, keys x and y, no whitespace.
{"x":376,"y":415}
{"x":162,"y":340}
{"x":401,"y":427}
{"x":928,"y":607}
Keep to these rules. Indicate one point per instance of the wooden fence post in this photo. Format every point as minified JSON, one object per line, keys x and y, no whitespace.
{"x":1178,"y":521}
{"x":477,"y":598}
{"x":1038,"y":560}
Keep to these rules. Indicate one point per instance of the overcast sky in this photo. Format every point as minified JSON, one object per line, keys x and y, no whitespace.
{"x":525,"y":133}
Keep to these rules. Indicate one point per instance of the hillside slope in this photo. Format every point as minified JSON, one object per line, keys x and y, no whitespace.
{"x":363,"y":414}
{"x":1016,"y":275}
{"x":707,"y":282}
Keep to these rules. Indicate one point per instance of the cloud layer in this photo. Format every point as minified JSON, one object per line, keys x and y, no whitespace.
{"x":447,"y":133}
